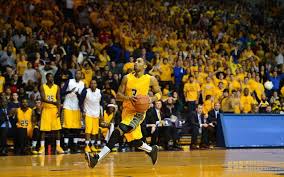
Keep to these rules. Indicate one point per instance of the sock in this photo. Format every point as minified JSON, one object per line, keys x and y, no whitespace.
{"x":34,"y":143}
{"x":87,"y":142}
{"x":66,"y":141}
{"x":114,"y":138}
{"x":92,"y":142}
{"x":145,"y":147}
{"x":104,"y":152}
{"x":42,"y":143}
{"x":57,"y":142}
{"x":75,"y":140}
{"x":99,"y":142}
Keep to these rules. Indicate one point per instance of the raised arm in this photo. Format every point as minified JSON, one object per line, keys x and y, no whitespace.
{"x":156,"y":89}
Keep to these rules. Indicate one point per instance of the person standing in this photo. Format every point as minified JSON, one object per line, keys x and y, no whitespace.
{"x":50,"y":119}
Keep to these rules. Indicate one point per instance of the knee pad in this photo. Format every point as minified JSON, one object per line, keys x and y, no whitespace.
{"x":137,"y":119}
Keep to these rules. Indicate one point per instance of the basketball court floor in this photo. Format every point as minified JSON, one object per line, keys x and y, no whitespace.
{"x":207,"y":163}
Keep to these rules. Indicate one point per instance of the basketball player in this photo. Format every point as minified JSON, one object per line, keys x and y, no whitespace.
{"x":132,"y":85}
{"x":25,"y":121}
{"x":50,"y":119}
{"x":71,"y":109}
{"x":91,"y":110}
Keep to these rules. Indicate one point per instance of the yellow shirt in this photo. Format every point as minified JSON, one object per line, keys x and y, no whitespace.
{"x":246,"y":103}
{"x":207,"y":106}
{"x":50,"y":95}
{"x":103,"y":60}
{"x":259,"y":89}
{"x":236,"y":105}
{"x":208,"y":89}
{"x":21,"y":67}
{"x":2,"y":83}
{"x":191,"y":91}
{"x":88,"y":76}
{"x":24,"y":118}
{"x":166,"y":74}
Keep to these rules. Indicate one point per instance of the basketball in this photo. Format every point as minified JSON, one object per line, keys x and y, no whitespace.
{"x":142,"y":104}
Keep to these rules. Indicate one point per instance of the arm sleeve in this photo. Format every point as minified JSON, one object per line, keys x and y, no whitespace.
{"x":64,"y":89}
{"x":82,"y":99}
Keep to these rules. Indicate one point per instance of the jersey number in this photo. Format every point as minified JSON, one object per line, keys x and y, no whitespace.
{"x":134,"y":91}
{"x":24,"y":123}
{"x":50,"y":98}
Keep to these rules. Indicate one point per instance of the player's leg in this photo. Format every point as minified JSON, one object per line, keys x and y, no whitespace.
{"x":59,"y":149}
{"x":151,"y":151}
{"x":35,"y":139}
{"x":88,"y":130}
{"x":42,"y":143}
{"x":114,"y":138}
{"x":94,"y":134}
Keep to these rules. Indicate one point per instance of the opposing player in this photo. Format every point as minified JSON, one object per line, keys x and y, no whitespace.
{"x":132,"y":85}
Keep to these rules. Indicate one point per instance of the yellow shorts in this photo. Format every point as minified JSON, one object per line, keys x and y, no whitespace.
{"x":92,"y":125}
{"x":72,"y":118}
{"x":49,"y":120}
{"x":136,"y":134}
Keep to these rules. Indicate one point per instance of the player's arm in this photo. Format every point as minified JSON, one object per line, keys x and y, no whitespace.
{"x":156,"y":89}
{"x":43,"y":98}
{"x":58,"y":103}
{"x":121,"y":91}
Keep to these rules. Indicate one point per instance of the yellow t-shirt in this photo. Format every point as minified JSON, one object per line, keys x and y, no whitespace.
{"x":191,"y":91}
{"x":21,"y":67}
{"x":246,"y":103}
{"x":103,"y":60}
{"x":282,"y":91}
{"x":88,"y":75}
{"x":2,"y":83}
{"x":207,"y":106}
{"x":166,"y":74}
{"x":208,"y":89}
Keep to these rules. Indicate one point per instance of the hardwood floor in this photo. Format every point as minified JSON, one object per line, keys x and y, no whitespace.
{"x":211,"y":163}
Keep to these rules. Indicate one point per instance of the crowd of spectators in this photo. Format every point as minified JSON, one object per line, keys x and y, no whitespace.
{"x":202,"y":52}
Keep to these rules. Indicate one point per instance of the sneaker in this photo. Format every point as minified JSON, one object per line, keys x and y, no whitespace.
{"x":154,"y":154}
{"x":59,"y":150}
{"x":41,"y":150}
{"x":87,"y":149}
{"x":94,"y":149}
{"x":92,"y":160}
{"x":34,"y":151}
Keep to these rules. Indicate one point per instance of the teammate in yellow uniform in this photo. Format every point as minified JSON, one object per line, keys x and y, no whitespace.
{"x":25,"y":119}
{"x":132,"y":84}
{"x":50,"y":121}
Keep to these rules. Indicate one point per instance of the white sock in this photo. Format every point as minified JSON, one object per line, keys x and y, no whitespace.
{"x":66,"y":141}
{"x":104,"y":152}
{"x":42,"y":143}
{"x":99,"y":142}
{"x":57,"y":142}
{"x":87,"y":143}
{"x":75,"y":140}
{"x":34,"y":143}
{"x":92,"y":142}
{"x":145,"y":147}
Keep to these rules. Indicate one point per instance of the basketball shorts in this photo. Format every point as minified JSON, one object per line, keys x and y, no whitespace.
{"x":135,"y":134}
{"x":72,"y":119}
{"x":49,"y":120}
{"x":92,"y":125}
